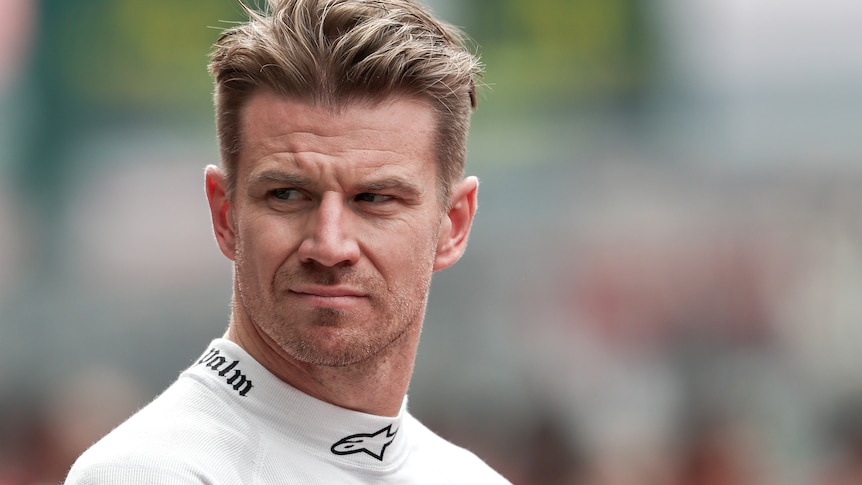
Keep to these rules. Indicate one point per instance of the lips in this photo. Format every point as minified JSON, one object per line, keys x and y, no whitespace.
{"x":329,"y":296}
{"x":328,"y":291}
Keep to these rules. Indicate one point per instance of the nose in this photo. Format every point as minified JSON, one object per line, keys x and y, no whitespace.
{"x":328,"y":239}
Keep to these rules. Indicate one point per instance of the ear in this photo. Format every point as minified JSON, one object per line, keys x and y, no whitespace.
{"x":455,"y":228}
{"x":221,"y":211}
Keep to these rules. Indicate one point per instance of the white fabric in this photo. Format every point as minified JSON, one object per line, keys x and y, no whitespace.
{"x":227,"y":420}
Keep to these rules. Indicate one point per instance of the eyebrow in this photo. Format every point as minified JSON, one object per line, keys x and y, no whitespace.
{"x":291,"y":179}
{"x":296,"y":180}
{"x":391,"y":183}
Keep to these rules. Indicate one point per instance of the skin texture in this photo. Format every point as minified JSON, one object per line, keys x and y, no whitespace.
{"x":335,"y":229}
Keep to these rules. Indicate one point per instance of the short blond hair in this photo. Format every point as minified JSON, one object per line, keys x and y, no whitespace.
{"x":334,"y":52}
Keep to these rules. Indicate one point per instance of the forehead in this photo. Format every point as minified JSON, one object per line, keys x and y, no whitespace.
{"x":399,"y":124}
{"x":393,"y":138}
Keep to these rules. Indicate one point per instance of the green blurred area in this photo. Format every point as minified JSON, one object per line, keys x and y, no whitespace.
{"x":104,"y":57}
{"x":549,"y":57}
{"x":121,"y":55}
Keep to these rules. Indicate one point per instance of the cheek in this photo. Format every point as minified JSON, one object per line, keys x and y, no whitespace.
{"x":412,"y":254}
{"x":262,"y":249}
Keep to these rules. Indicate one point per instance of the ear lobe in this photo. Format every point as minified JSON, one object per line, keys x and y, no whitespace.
{"x":455,"y":229}
{"x":220,"y":211}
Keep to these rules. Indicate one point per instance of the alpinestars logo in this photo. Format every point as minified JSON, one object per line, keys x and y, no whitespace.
{"x":372,"y":443}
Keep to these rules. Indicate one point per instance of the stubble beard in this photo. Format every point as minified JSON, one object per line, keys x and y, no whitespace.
{"x":335,"y":337}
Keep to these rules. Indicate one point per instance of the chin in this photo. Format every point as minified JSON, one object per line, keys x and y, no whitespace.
{"x":328,"y":346}
{"x":333,"y":357}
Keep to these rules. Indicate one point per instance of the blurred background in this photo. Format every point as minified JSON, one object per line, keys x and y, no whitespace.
{"x":663,"y":285}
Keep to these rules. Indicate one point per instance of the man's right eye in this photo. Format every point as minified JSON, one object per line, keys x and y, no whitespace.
{"x":285,"y":194}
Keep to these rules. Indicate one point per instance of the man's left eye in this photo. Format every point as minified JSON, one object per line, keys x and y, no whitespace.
{"x":373,"y":198}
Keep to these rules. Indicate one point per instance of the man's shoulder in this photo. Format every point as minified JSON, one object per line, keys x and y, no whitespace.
{"x":188,"y":413}
{"x":128,"y":463}
{"x":180,"y":437}
{"x":459,"y":464}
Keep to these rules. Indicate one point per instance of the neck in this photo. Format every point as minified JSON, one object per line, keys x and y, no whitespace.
{"x":375,"y":386}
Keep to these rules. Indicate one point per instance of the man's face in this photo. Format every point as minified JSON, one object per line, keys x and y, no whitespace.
{"x":336,"y":223}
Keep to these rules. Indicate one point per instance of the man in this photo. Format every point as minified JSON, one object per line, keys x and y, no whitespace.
{"x":342,"y":126}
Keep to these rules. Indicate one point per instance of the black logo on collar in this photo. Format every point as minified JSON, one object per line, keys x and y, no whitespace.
{"x":234,"y":377}
{"x":372,"y":443}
